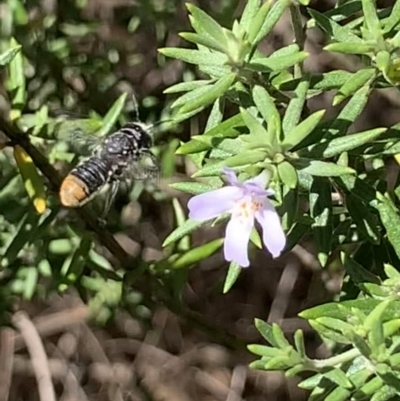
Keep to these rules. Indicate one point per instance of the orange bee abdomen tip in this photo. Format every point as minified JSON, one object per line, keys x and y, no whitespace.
{"x":73,"y":191}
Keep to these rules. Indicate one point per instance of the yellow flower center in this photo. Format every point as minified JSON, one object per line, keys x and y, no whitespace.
{"x":246,"y":208}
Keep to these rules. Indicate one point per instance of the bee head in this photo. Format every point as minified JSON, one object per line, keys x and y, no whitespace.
{"x":141,"y":134}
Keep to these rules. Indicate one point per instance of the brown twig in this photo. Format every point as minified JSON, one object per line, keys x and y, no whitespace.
{"x":6,"y":361}
{"x":38,"y":355}
{"x":55,"y":322}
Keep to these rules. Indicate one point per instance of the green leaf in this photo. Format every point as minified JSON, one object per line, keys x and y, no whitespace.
{"x":391,"y":272}
{"x":250,"y":11}
{"x":329,"y":334}
{"x":195,"y":56}
{"x":230,"y":128}
{"x":319,"y":82}
{"x":373,"y":323}
{"x":350,"y":112}
{"x":301,"y":131}
{"x":263,"y":350}
{"x":7,"y":56}
{"x":349,"y":142}
{"x":353,"y":84}
{"x":265,"y":330}
{"x":16,"y":80}
{"x":393,"y":19}
{"x":216,"y":115}
{"x":203,"y":41}
{"x":385,"y":393}
{"x":24,"y":234}
{"x":186,"y":228}
{"x":321,"y":212}
{"x":198,"y":254}
{"x":217,"y":90}
{"x":223,"y":148}
{"x":206,"y":23}
{"x":272,"y":18}
{"x":282,"y":51}
{"x":391,"y":221}
{"x":371,"y":19}
{"x":188,"y":86}
{"x":112,"y":115}
{"x":369,"y":388}
{"x":215,"y":71}
{"x":338,"y":394}
{"x":321,"y":169}
{"x":311,"y":382}
{"x":79,"y":259}
{"x":279,"y":337}
{"x":33,"y":181}
{"x":344,"y":10}
{"x":333,"y":29}
{"x":299,"y":343}
{"x":278,"y":63}
{"x":266,"y":106}
{"x":337,"y":376}
{"x":254,"y":126}
{"x":289,"y":208}
{"x":366,"y":222}
{"x":277,"y":363}
{"x":258,"y":21}
{"x":194,"y":188}
{"x":287,"y":174}
{"x":249,"y":157}
{"x":359,"y":188}
{"x":335,"y":324}
{"x":295,"y":107}
{"x":30,"y":282}
{"x":341,"y":311}
{"x":233,"y":273}
{"x":350,"y":47}
{"x":190,"y":97}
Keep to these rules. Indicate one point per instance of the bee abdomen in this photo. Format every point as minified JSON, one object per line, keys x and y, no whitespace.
{"x":83,"y":182}
{"x":73,"y":191}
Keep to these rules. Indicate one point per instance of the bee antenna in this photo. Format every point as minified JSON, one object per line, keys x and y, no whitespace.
{"x":135,"y":108}
{"x":156,"y":124}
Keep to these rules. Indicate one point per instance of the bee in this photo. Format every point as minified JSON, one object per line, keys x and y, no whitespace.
{"x":119,"y":156}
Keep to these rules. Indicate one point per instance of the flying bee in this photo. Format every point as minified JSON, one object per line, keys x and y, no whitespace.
{"x":122,"y":155}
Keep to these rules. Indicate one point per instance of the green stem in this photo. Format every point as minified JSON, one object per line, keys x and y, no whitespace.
{"x":299,"y":35}
{"x":318,"y":364}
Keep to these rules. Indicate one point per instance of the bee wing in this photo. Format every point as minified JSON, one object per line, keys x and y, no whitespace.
{"x":83,"y":143}
{"x":79,"y":135}
{"x":146,"y":168}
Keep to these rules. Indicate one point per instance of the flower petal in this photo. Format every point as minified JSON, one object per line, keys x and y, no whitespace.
{"x":214,"y":203}
{"x":237,"y":239}
{"x":273,"y":235}
{"x":230,"y":176}
{"x":262,"y":179}
{"x":257,"y":184}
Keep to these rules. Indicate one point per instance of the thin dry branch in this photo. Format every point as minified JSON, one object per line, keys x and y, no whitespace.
{"x":38,"y":355}
{"x":7,"y":340}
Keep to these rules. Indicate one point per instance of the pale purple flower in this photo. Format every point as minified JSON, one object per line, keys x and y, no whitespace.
{"x":246,"y":202}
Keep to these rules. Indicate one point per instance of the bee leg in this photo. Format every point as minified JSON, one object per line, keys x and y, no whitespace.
{"x":153,"y":170}
{"x":109,"y":200}
{"x":101,"y":222}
